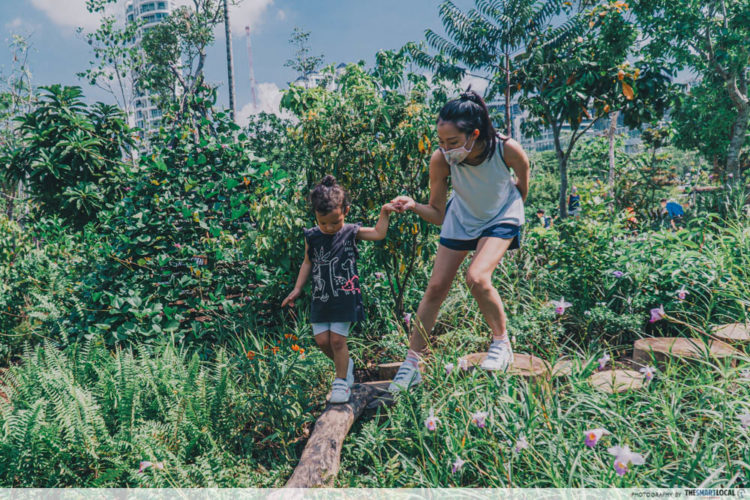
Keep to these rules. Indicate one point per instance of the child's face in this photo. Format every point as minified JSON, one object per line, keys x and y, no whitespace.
{"x":331,"y":222}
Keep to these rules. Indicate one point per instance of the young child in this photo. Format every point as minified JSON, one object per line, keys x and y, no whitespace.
{"x":331,"y":256}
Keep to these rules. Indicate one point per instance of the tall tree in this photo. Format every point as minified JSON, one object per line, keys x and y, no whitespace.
{"x":711,"y":37}
{"x":303,"y":63}
{"x":16,"y":99}
{"x":116,"y":57}
{"x":579,"y":68}
{"x":484,"y":40}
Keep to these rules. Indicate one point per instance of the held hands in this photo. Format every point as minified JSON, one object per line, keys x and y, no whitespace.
{"x":403,"y":203}
{"x":389,"y":208}
{"x":289,"y":300}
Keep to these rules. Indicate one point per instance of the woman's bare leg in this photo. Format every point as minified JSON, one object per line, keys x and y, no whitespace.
{"x":479,"y":279}
{"x":444,"y":270}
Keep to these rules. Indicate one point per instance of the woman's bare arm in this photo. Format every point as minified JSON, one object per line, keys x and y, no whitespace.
{"x":516,"y":159}
{"x":434,"y":210}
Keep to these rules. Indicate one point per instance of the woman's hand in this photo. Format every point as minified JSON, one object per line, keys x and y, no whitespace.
{"x":403,"y":203}
{"x":289,"y":300}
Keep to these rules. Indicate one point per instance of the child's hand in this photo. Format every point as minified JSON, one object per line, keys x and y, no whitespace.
{"x":403,"y":203}
{"x":389,"y":208}
{"x":289,"y":300}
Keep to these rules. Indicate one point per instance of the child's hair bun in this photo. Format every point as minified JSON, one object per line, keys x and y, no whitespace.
{"x":328,"y":181}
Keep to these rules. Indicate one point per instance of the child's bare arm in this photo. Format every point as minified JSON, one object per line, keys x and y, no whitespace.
{"x":302,"y":277}
{"x":381,"y":227}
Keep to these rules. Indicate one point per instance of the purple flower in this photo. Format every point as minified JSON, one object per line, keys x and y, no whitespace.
{"x":657,"y":314}
{"x":463,"y":364}
{"x":594,"y":435}
{"x":178,"y":246}
{"x":407,"y":319}
{"x":380,"y":275}
{"x":457,"y":464}
{"x":744,"y":420}
{"x":146,"y":464}
{"x":560,"y":305}
{"x":603,"y":361}
{"x":479,"y":418}
{"x":681,"y":293}
{"x":648,"y":372}
{"x":432,"y":421}
{"x":618,"y":274}
{"x":625,"y":457}
{"x":448,"y":368}
{"x":521,"y":444}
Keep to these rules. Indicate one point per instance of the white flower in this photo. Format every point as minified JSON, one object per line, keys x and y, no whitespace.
{"x":744,"y":420}
{"x":463,"y":364}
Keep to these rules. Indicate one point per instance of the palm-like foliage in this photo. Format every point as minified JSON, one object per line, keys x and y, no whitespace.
{"x":483,"y":40}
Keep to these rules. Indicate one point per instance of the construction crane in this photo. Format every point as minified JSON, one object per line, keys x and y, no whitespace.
{"x":252,"y":72}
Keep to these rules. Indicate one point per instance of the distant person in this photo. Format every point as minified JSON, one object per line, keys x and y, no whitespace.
{"x":545,"y":221}
{"x":675,"y":212}
{"x":574,"y":202}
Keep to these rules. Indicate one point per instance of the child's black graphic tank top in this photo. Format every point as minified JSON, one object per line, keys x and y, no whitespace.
{"x":335,"y":280}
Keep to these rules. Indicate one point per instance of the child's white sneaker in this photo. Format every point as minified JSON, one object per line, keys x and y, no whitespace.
{"x":499,"y":357}
{"x":407,"y":376}
{"x":350,"y":373}
{"x":340,"y":391}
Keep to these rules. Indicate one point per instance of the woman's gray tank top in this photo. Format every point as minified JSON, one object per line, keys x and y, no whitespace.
{"x":483,"y":196}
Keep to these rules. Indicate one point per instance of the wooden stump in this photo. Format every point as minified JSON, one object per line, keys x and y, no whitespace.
{"x":563,"y":368}
{"x":321,"y":458}
{"x":387,"y":371}
{"x":681,"y":348}
{"x":732,"y":333}
{"x":615,"y":381}
{"x":525,"y":365}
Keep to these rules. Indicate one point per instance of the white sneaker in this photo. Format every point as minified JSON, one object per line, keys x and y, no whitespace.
{"x":350,"y":373}
{"x":499,"y":357}
{"x":406,"y":377}
{"x":340,"y":391}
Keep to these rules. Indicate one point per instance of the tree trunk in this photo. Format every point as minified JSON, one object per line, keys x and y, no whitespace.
{"x":508,"y":124}
{"x":611,"y":136}
{"x":739,"y":129}
{"x":562,"y":164}
{"x":230,"y":60}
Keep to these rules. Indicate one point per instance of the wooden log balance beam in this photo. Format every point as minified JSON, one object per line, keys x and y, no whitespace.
{"x":321,"y":458}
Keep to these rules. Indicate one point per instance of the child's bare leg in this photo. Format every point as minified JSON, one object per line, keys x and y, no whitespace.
{"x":324,"y":342}
{"x":340,"y":354}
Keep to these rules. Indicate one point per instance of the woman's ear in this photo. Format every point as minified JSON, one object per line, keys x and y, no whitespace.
{"x":346,"y":210}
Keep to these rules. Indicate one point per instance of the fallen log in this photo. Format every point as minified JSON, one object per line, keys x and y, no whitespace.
{"x":321,"y":458}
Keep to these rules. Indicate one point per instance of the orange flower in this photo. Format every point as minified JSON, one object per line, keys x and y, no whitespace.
{"x":294,"y":337}
{"x":246,"y":181}
{"x":295,"y":347}
{"x":274,"y":349}
{"x":302,"y":350}
{"x":250,"y":355}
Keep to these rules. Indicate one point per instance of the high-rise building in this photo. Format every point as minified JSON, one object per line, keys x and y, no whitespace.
{"x":150,"y":13}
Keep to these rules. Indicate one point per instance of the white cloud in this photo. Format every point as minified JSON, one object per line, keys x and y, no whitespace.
{"x":68,"y":13}
{"x":269,"y":99}
{"x":14,"y":24}
{"x":281,"y":15}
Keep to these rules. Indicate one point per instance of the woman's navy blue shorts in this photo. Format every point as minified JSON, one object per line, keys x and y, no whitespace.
{"x":504,"y":231}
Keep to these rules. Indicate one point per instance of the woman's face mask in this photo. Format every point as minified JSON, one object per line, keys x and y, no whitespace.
{"x":457,"y":155}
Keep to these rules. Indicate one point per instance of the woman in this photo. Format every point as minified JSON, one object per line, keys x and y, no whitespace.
{"x":484,"y":214}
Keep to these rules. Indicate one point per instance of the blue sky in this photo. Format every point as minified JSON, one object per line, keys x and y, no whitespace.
{"x":342,"y":30}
